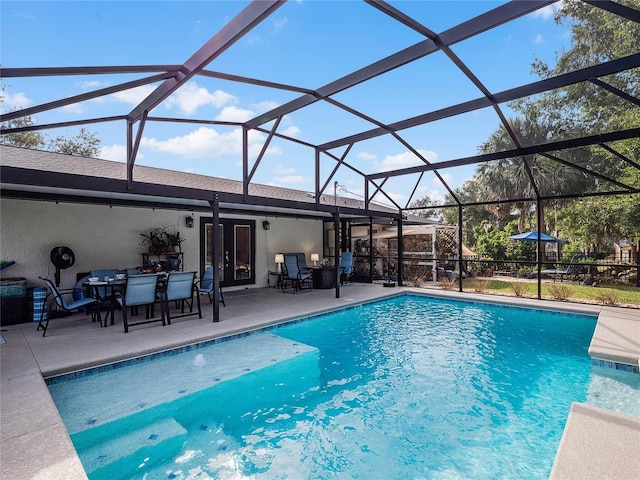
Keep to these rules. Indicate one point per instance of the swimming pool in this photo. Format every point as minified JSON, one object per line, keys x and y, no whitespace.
{"x":411,"y":387}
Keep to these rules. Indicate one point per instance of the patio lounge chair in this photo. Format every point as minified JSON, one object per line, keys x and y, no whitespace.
{"x":180,"y":289}
{"x":58,"y":298}
{"x":346,"y":267}
{"x":206,"y":285}
{"x":572,"y":271}
{"x":140,"y":290}
{"x":302,"y":261}
{"x":298,"y":278}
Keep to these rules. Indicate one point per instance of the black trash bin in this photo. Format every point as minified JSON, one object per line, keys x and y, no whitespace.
{"x":13,"y":301}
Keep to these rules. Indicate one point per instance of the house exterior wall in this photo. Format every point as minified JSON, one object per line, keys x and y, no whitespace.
{"x":109,"y":237}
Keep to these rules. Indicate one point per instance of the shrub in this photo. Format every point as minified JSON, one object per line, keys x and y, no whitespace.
{"x":559,"y":292}
{"x":607,"y":297}
{"x":449,"y":283}
{"x":518,"y":288}
{"x":479,"y":285}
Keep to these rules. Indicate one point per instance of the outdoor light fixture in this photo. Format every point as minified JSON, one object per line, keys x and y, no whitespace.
{"x":279,"y":261}
{"x":189,"y":222}
{"x":266,"y":225}
{"x":314,"y":258}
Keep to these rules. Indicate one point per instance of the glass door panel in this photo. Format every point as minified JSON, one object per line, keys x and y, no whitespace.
{"x":208,"y":258}
{"x":237,"y":250}
{"x":242,"y":252}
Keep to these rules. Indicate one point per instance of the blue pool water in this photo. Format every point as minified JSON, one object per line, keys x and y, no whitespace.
{"x":410,"y":387}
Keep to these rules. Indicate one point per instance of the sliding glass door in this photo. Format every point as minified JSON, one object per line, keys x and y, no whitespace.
{"x":237,"y":250}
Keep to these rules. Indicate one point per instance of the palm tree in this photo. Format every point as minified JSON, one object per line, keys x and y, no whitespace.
{"x":526,"y":176}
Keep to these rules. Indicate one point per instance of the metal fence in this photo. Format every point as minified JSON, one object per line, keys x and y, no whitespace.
{"x":580,"y":268}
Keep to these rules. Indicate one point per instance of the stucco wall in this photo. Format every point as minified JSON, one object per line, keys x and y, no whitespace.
{"x":109,"y":237}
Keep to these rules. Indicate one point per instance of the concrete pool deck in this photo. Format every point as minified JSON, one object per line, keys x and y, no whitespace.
{"x":35,"y":443}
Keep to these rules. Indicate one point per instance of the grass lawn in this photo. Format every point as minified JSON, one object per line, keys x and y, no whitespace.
{"x":620,"y":295}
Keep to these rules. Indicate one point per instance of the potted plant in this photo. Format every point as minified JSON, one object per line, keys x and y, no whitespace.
{"x":155,"y":240}
{"x":174,"y":241}
{"x":393,"y":273}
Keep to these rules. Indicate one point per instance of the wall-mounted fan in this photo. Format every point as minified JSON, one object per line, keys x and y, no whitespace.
{"x":61,"y":257}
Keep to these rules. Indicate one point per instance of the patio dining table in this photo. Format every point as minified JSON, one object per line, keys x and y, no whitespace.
{"x":107,"y":292}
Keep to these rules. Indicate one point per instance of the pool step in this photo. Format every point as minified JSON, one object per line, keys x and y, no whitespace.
{"x":106,"y":397}
{"x":147,"y":445}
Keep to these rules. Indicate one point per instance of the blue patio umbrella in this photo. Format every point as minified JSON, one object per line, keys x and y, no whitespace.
{"x":533,"y":237}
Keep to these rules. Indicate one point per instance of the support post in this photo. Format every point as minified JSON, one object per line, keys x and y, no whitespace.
{"x":638,"y":264}
{"x":460,"y":247}
{"x":538,"y":257}
{"x":216,"y":255}
{"x":129,"y":155}
{"x":317,"y":178}
{"x":336,"y":262}
{"x":370,"y":259}
{"x":400,"y":252}
{"x":245,"y":162}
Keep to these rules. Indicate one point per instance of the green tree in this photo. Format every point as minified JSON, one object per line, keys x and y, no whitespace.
{"x":495,"y":243}
{"x":602,"y":220}
{"x":472,"y":215}
{"x":512,"y":177}
{"x":433,"y":214}
{"x":84,"y":144}
{"x":597,"y":36}
{"x":34,"y":140}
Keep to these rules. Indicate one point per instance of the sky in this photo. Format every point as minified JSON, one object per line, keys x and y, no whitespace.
{"x":305,"y":43}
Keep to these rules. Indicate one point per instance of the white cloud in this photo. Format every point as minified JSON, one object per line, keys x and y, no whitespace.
{"x":234,"y":114}
{"x":266,"y":105}
{"x":73,"y":108}
{"x":404,"y":160}
{"x":16,"y":101}
{"x":381,"y":198}
{"x":204,"y":142}
{"x":291,"y":131}
{"x":445,"y":176}
{"x":117,"y":153}
{"x":92,"y":84}
{"x":279,"y":23}
{"x":398,"y":197}
{"x":436,"y":195}
{"x":280,"y":170}
{"x":545,"y":13}
{"x":256,"y":141}
{"x":539,"y":38}
{"x":293,"y":179}
{"x":367,"y":156}
{"x":271,"y":150}
{"x":23,"y":15}
{"x":190,"y":97}
{"x":133,"y":96}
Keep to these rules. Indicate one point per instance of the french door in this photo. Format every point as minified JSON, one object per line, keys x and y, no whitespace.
{"x":237,"y":250}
